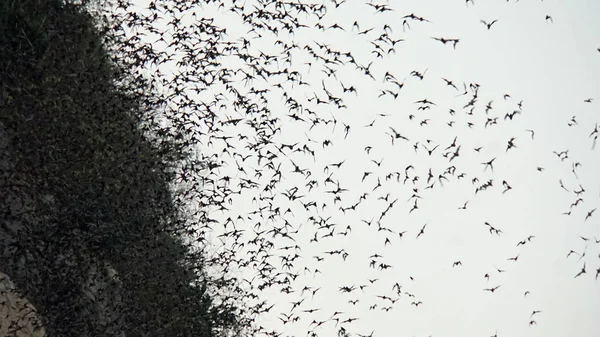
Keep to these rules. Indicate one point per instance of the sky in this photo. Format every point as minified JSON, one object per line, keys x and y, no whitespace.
{"x":543,"y":68}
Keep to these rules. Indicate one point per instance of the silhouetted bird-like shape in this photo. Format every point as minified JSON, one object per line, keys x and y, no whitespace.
{"x":488,"y":25}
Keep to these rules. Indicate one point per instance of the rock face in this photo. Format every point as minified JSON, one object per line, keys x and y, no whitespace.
{"x":18,"y":317}
{"x":100,"y":295}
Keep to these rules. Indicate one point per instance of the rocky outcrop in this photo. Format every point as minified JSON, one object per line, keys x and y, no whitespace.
{"x":101,"y":294}
{"x":100,"y":297}
{"x":18,"y":317}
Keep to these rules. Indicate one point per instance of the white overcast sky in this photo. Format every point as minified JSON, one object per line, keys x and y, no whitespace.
{"x":551,"y":66}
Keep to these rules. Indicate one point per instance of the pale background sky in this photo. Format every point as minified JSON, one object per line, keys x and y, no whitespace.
{"x":551,"y":66}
